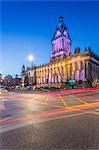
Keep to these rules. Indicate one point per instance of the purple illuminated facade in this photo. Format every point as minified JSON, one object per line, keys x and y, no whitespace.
{"x":61,"y":42}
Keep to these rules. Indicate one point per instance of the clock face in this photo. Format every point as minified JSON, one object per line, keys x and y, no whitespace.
{"x":58,"y":33}
{"x":65,"y":33}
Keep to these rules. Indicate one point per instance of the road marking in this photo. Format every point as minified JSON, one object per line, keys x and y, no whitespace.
{"x":67,"y":116}
{"x":95,"y":112}
{"x":36,"y":121}
{"x":78,"y":99}
{"x":12,"y":127}
{"x":61,"y":98}
{"x":92,"y":98}
{"x":2,"y":120}
{"x":83,"y":107}
{"x":42,"y":103}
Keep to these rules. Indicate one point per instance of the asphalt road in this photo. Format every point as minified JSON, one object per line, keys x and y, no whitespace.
{"x":47,"y":121}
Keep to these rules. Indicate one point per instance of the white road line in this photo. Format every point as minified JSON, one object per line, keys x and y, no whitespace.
{"x":35,"y":121}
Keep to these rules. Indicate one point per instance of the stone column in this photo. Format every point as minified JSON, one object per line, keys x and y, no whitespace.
{"x":79,"y":68}
{"x":57,"y":75}
{"x":44,"y":76}
{"x":73,"y":70}
{"x":82,"y":71}
{"x":49,"y":76}
{"x":77,"y":71}
{"x":64,"y":74}
{"x":68,"y":71}
{"x":52,"y":78}
{"x":54,"y":75}
{"x":60,"y":74}
{"x":40,"y":77}
{"x":37,"y":77}
{"x":86,"y":69}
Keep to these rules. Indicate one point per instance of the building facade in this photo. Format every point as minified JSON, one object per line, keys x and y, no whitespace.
{"x":63,"y":64}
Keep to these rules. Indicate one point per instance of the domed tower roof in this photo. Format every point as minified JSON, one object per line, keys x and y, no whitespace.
{"x":61,"y":27}
{"x":61,"y":42}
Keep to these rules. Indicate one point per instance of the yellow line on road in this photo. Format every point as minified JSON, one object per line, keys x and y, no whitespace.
{"x":78,"y":99}
{"x":93,"y":112}
{"x":66,"y":116}
{"x":61,"y":98}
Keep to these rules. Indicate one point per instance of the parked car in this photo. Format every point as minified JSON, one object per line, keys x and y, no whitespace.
{"x":3,"y":90}
{"x":29,"y":87}
{"x":17,"y":87}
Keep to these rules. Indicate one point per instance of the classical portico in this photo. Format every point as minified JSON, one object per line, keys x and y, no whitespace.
{"x":61,"y":70}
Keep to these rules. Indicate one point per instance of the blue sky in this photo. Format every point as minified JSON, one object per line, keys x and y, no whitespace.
{"x":28,"y":27}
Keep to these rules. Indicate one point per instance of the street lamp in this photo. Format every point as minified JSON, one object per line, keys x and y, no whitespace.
{"x":31,"y":59}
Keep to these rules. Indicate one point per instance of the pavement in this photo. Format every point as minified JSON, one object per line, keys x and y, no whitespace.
{"x":59,"y":120}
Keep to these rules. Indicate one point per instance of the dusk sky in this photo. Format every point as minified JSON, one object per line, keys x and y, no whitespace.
{"x":28,"y":27}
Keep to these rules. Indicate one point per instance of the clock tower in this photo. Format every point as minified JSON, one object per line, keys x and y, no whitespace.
{"x":61,"y":42}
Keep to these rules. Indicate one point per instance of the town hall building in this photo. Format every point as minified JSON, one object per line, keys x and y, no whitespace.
{"x":63,"y":64}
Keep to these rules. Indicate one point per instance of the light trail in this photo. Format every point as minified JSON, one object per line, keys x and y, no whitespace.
{"x":52,"y":113}
{"x":93,"y":112}
{"x":78,"y":99}
{"x":2,"y":107}
{"x":62,"y":117}
{"x":44,"y":116}
{"x":27,"y":123}
{"x":72,"y":91}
